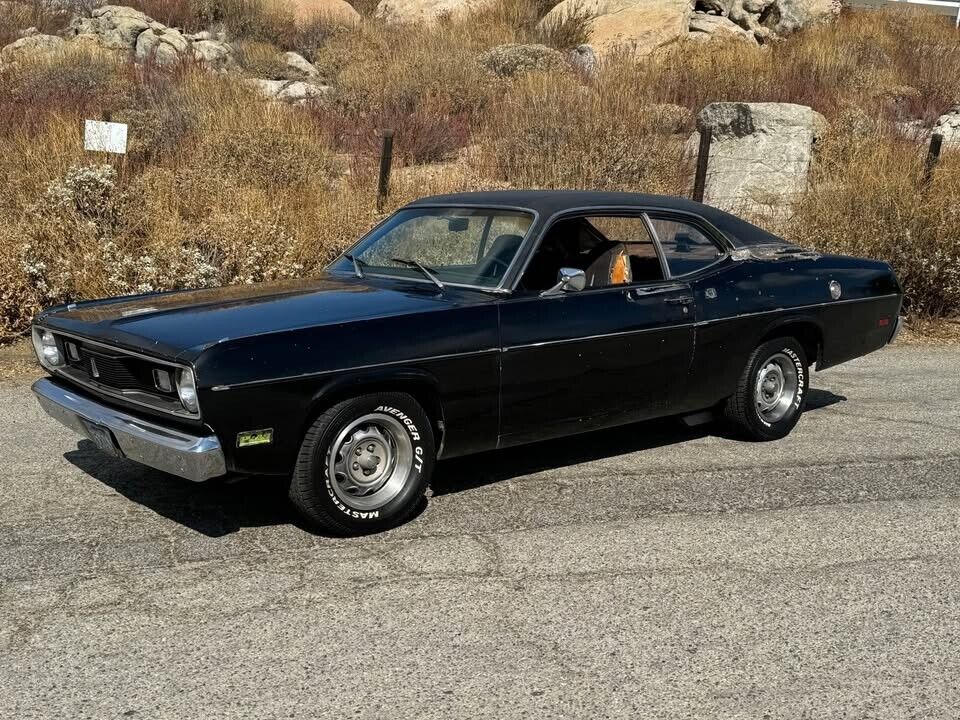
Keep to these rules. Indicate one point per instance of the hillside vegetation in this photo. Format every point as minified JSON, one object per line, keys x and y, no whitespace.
{"x":221,"y":186}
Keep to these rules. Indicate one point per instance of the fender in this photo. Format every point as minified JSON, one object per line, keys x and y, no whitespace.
{"x":422,"y":384}
{"x":806,"y":318}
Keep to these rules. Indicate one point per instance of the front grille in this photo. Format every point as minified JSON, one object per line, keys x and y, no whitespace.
{"x":118,"y":371}
{"x":123,"y":375}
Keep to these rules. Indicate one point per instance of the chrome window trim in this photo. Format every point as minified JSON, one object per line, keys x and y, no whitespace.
{"x":629,"y":211}
{"x":124,"y":395}
{"x":498,"y":288}
{"x":725,"y":252}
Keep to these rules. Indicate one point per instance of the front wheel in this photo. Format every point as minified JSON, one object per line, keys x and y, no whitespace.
{"x":364,"y":464}
{"x":772,"y":390}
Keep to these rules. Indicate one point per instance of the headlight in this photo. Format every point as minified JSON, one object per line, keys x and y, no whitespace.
{"x":187,"y":390}
{"x":46,"y":348}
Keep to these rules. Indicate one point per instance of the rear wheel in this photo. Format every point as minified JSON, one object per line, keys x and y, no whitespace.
{"x":364,"y":464}
{"x":772,"y":390}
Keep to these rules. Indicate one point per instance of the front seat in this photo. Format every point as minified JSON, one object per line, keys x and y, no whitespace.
{"x":612,"y":267}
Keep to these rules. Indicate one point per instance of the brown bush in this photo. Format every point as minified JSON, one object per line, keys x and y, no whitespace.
{"x":46,"y":17}
{"x":530,"y":137}
{"x":220,"y":186}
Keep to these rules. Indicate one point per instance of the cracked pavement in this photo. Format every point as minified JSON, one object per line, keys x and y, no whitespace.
{"x":648,"y":571}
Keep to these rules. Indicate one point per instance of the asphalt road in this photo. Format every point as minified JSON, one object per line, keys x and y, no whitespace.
{"x":648,"y":572}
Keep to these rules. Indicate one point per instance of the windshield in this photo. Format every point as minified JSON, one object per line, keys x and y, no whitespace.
{"x":466,"y":246}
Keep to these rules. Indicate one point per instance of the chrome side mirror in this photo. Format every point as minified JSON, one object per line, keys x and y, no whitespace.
{"x":568,"y":280}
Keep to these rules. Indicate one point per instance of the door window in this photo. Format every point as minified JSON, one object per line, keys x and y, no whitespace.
{"x":685,"y":248}
{"x":611,"y":250}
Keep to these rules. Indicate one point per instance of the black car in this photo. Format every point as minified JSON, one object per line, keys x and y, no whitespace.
{"x":460,"y":324}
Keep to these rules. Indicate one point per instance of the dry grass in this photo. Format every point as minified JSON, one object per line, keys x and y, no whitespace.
{"x":221,"y":187}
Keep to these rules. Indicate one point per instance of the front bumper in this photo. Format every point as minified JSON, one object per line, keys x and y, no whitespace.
{"x":189,"y":456}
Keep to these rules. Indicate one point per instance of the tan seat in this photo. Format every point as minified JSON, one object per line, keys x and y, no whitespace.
{"x":612,"y":267}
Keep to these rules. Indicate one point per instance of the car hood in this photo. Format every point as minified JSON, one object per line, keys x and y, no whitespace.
{"x":182,"y":324}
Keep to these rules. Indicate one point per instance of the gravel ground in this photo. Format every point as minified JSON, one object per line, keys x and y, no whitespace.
{"x":649,"y":571}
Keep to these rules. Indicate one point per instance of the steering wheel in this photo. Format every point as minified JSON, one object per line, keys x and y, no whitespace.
{"x":491,"y":264}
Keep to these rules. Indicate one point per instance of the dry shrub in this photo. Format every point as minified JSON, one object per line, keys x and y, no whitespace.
{"x":263,"y":60}
{"x":264,"y":20}
{"x":612,"y":140}
{"x":78,"y":82}
{"x":868,"y":199}
{"x":314,"y":34}
{"x":380,"y":66}
{"x":222,"y":187}
{"x":857,"y":60}
{"x":521,"y":15}
{"x":565,"y":31}
{"x":46,"y":17}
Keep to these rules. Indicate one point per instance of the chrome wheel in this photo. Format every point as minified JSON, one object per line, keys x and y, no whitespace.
{"x":370,"y":461}
{"x":777,"y":386}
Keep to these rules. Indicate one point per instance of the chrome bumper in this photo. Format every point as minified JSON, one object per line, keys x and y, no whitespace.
{"x":192,"y":457}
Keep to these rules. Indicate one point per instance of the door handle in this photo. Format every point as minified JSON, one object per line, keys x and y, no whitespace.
{"x":679,"y":300}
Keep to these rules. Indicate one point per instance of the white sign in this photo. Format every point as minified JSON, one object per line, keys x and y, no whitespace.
{"x":105,"y":137}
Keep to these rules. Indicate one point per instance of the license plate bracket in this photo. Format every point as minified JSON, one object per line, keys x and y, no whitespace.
{"x":102,"y":437}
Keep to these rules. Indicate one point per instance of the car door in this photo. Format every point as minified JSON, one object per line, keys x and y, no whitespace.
{"x":592,"y":358}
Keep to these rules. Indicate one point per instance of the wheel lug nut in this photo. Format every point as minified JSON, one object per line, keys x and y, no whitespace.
{"x":369,"y":448}
{"x":356,"y":466}
{"x":358,"y":452}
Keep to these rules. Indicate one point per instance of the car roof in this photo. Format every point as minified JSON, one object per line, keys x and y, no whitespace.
{"x":549,"y":202}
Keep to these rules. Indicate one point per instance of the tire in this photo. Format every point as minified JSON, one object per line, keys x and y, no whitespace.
{"x":769,"y":400}
{"x":389,"y":440}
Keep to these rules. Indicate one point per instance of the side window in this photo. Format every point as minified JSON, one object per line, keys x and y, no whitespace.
{"x":611,"y":250}
{"x":685,"y":248}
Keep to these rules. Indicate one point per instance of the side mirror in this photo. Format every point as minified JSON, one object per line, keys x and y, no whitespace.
{"x":568,"y":280}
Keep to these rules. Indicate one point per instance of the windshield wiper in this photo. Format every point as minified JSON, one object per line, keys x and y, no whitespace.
{"x":427,"y":272}
{"x":357,"y":264}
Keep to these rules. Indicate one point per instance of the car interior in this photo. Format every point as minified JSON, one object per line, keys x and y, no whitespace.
{"x":579,"y":243}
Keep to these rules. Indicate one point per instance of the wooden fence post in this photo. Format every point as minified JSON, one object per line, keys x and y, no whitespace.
{"x":933,"y":157}
{"x":703,"y":159}
{"x":386,"y":160}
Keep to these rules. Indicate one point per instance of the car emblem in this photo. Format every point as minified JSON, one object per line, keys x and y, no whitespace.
{"x":835,"y":290}
{"x":711,"y":293}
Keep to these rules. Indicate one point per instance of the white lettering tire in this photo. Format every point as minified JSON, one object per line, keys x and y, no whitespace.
{"x":772,"y":391}
{"x":364,"y":464}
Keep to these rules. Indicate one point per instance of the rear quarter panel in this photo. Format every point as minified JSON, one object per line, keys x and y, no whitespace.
{"x":754,"y":298}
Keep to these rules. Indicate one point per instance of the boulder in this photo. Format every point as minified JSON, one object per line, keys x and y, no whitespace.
{"x":509,"y":60}
{"x":772,"y":18}
{"x":334,"y":11}
{"x":296,"y":92}
{"x":637,"y":26}
{"x":299,"y":92}
{"x":948,"y":125}
{"x":760,"y":155}
{"x":788,"y":16}
{"x":113,"y":27}
{"x":427,"y":11}
{"x":31,"y":46}
{"x":214,"y":54}
{"x":299,"y":64}
{"x":163,"y":47}
{"x":584,"y":59}
{"x":704,"y":28}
